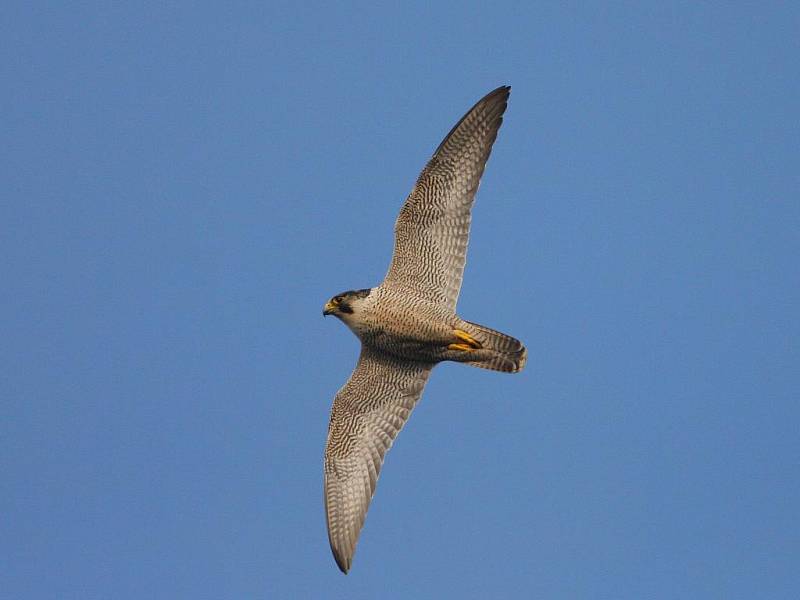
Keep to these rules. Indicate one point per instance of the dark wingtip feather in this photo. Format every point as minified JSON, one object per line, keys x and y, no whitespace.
{"x":502,"y":93}
{"x":342,"y":563}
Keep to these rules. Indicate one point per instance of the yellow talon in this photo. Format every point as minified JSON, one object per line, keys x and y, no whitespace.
{"x":465,"y":337}
{"x":462,"y":347}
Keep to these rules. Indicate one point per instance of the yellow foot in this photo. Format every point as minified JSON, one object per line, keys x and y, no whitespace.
{"x":462,"y":347}
{"x":465,"y":337}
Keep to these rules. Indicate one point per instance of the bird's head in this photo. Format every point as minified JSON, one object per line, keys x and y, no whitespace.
{"x":346,"y":305}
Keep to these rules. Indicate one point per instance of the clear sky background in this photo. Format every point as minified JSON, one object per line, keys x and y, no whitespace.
{"x":183,"y":186}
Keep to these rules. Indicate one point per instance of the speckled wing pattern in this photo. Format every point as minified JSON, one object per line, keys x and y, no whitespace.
{"x":432,"y":230}
{"x":368,"y":413}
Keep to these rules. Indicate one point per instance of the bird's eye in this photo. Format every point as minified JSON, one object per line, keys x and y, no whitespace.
{"x":338,"y":299}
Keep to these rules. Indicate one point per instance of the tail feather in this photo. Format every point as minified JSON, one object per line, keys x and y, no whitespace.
{"x":499,"y":352}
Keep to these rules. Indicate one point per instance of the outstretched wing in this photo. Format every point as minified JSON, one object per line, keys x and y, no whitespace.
{"x":432,"y":230}
{"x":367,"y":414}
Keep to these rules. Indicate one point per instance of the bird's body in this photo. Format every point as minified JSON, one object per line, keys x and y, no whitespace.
{"x":399,"y":324}
{"x":408,"y":323}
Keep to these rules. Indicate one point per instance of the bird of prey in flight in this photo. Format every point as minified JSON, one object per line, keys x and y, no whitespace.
{"x":408,"y":323}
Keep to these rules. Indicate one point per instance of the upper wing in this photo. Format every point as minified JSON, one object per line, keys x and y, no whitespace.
{"x":432,"y":230}
{"x":367,"y":414}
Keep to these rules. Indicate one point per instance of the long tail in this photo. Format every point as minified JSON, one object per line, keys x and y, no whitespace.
{"x":499,"y":352}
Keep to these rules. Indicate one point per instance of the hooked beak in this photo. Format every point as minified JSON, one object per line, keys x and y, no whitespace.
{"x":329,"y":309}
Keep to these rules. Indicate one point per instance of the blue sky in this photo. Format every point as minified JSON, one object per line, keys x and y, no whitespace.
{"x":185,"y":186}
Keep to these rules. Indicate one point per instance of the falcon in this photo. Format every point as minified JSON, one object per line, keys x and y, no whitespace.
{"x":408,"y":323}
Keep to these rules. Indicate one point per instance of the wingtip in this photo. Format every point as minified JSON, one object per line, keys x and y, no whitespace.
{"x":343,"y":563}
{"x":342,"y":552}
{"x":503,"y":90}
{"x":497,"y":100}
